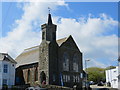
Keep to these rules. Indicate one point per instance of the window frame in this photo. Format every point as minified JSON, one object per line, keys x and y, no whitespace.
{"x":75,"y":63}
{"x":5,"y":68}
{"x":66,"y":62}
{"x":5,"y":81}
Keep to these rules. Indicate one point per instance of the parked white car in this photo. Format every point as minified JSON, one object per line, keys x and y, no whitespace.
{"x":35,"y":88}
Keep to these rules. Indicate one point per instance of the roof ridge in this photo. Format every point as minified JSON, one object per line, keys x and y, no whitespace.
{"x":31,"y":47}
{"x":62,"y":38}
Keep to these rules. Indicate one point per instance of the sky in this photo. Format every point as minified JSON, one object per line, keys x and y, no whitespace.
{"x":93,"y":25}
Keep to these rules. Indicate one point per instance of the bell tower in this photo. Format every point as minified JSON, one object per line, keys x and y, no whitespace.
{"x":49,"y":30}
{"x":48,"y":54}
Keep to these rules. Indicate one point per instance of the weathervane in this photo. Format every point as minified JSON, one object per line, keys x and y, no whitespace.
{"x":49,"y":10}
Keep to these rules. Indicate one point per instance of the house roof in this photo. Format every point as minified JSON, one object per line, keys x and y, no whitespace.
{"x":61,"y":41}
{"x":28,"y":56}
{"x":31,"y":55}
{"x":6,"y":57}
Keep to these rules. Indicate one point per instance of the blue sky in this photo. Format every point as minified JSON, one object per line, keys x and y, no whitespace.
{"x":11,"y":12}
{"x":14,"y":11}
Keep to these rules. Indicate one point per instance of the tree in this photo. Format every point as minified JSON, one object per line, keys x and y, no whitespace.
{"x":96,"y":74}
{"x":110,"y":67}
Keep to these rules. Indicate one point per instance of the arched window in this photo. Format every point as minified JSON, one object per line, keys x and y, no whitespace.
{"x":42,"y":77}
{"x":75,"y":63}
{"x":28,"y":76}
{"x":36,"y":74}
{"x":65,"y":62}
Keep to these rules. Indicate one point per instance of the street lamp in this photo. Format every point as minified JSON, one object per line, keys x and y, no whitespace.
{"x":86,"y":73}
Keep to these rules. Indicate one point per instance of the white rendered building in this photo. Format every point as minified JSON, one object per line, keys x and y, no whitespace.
{"x":112,"y":77}
{"x":119,"y":73}
{"x":7,"y":70}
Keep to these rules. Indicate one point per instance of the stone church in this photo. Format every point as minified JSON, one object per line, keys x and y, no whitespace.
{"x":54,"y":62}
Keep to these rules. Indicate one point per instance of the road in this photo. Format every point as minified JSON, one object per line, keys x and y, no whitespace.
{"x":95,"y":87}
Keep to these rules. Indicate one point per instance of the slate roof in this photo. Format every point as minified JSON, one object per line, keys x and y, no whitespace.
{"x":6,"y":57}
{"x":31,"y":55}
{"x":28,"y":56}
{"x":61,"y":41}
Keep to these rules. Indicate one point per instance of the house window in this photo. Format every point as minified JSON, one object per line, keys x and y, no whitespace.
{"x":73,"y":78}
{"x":66,"y":78}
{"x":0,"y":68}
{"x":28,"y":78}
{"x":75,"y":63}
{"x":54,"y":78}
{"x":65,"y":62}
{"x":42,"y":77}
{"x":36,"y":74}
{"x":13,"y":65}
{"x":43,"y":35}
{"x":78,"y":78}
{"x":81,"y":75}
{"x":4,"y":81}
{"x":5,"y":69}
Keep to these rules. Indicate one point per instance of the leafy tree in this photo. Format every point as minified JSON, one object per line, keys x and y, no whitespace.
{"x":96,"y":74}
{"x":110,"y":67}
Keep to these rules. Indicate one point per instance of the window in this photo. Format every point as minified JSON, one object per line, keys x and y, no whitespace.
{"x":65,"y":62}
{"x":75,"y":63}
{"x":0,"y":68}
{"x":13,"y":65}
{"x":5,"y":69}
{"x":81,"y":75}
{"x":43,"y":35}
{"x":78,"y":78}
{"x":54,"y":76}
{"x":42,"y":77}
{"x":28,"y":78}
{"x":4,"y":81}
{"x":63,"y":78}
{"x":36,"y":74}
{"x":66,"y":78}
{"x":73,"y":78}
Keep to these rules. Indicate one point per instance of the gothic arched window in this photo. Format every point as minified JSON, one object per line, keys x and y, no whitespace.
{"x":28,"y":76}
{"x":42,"y":77}
{"x":75,"y":62}
{"x":65,"y":62}
{"x":36,"y":74}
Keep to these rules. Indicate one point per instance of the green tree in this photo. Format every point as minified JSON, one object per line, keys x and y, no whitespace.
{"x":110,"y":67}
{"x":96,"y":74}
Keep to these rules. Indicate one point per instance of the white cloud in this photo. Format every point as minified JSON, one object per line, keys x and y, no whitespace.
{"x":89,"y":33}
{"x":24,"y":34}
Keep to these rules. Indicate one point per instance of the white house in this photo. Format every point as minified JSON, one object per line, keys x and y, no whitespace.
{"x":119,"y":73}
{"x":112,"y":77}
{"x":7,"y":70}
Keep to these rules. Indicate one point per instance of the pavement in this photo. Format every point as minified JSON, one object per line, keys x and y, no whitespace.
{"x":95,"y":87}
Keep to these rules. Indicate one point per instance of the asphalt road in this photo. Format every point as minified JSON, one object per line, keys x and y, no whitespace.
{"x":95,"y":87}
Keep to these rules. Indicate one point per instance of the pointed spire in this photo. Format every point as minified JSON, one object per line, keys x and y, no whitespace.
{"x":49,"y":17}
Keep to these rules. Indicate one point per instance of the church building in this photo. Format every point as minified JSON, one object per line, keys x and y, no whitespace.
{"x":53,"y":62}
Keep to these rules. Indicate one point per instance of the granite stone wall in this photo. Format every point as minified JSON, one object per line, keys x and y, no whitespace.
{"x":70,"y":78}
